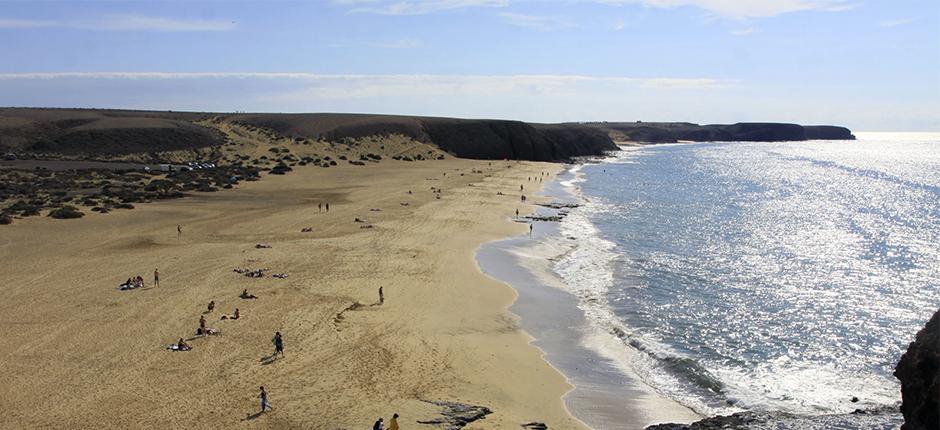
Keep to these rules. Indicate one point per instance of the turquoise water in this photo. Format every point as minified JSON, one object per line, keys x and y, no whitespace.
{"x":775,"y":277}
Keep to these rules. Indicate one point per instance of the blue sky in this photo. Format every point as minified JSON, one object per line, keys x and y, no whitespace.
{"x":870,"y":65}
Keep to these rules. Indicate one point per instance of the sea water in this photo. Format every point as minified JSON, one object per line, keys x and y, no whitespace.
{"x":771,"y":277}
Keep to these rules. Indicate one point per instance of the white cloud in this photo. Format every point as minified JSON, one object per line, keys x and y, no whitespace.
{"x":738,"y":9}
{"x":744,"y":31}
{"x":25,"y":23}
{"x":534,"y":21}
{"x":743,"y":8}
{"x":360,"y":85}
{"x":895,"y":22}
{"x":416,"y":7}
{"x":403,"y":43}
{"x":124,"y":23}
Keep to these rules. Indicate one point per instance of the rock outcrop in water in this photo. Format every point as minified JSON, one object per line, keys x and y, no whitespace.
{"x":919,"y":373}
{"x":671,"y":132}
{"x":738,"y":421}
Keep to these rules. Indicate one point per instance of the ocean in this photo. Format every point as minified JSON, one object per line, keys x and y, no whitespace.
{"x":780,"y":278}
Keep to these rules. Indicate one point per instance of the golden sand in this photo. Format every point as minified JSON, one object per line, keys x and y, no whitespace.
{"x":78,"y":353}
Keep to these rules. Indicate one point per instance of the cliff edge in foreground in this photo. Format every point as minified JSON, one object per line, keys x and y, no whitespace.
{"x":919,"y":373}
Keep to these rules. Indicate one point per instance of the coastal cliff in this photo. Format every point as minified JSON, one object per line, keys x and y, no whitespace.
{"x":108,"y":134}
{"x":919,"y":373}
{"x":465,"y":138}
{"x":671,"y":132}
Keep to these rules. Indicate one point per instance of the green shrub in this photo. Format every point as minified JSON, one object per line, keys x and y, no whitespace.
{"x":66,"y":212}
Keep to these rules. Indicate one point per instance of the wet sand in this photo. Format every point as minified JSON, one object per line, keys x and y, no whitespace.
{"x":606,"y":395}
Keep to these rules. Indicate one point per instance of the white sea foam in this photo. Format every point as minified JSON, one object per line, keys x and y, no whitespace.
{"x":587,"y":271}
{"x":593,"y":267}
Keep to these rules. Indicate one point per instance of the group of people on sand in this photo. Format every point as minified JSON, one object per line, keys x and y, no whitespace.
{"x":392,"y":423}
{"x":138,"y":281}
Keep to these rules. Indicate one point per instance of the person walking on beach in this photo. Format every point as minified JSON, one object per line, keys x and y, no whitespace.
{"x":327,"y":206}
{"x":278,"y":344}
{"x":156,"y":278}
{"x":202,"y":325}
{"x":379,"y":425}
{"x":179,"y":231}
{"x":517,"y":212}
{"x":320,"y":207}
{"x":393,"y":423}
{"x":381,"y":296}
{"x":530,"y":229}
{"x":264,"y":401}
{"x":520,"y":187}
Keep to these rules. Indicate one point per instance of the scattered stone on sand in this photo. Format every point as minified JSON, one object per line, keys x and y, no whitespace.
{"x":535,"y":426}
{"x":306,"y":229}
{"x":455,"y":416}
{"x":262,"y":246}
{"x":256,"y":273}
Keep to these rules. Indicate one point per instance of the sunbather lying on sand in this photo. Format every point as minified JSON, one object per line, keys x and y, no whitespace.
{"x":245,"y":295}
{"x":180,"y":346}
{"x":233,"y":316}
{"x":208,"y":331}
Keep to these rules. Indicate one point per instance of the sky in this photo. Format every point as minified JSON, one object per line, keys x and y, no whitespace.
{"x":871,"y":65}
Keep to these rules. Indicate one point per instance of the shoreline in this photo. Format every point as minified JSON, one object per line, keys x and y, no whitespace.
{"x":605,"y":393}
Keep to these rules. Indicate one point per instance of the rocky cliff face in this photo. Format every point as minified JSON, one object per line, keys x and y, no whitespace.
{"x":490,"y":139}
{"x":919,"y":373}
{"x":670,"y":132}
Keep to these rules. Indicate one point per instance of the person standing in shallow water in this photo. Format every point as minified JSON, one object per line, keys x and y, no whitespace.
{"x":530,"y":229}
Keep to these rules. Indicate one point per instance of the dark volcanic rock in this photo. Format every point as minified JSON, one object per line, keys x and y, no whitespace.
{"x":919,"y":373}
{"x":828,"y":132}
{"x":738,"y":421}
{"x":456,"y":416}
{"x":669,"y":132}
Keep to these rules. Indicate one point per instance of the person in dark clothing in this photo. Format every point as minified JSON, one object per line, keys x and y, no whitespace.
{"x":264,"y":400}
{"x":278,"y":344}
{"x":379,"y":425}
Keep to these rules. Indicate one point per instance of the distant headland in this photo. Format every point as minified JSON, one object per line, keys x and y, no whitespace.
{"x":115,"y":134}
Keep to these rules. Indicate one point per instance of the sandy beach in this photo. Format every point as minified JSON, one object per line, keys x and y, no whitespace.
{"x":79,"y":353}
